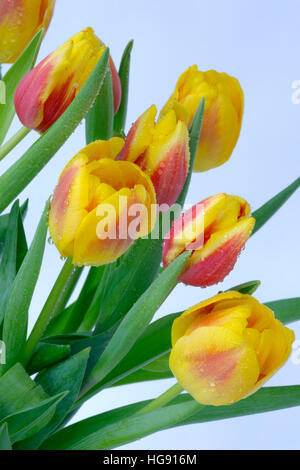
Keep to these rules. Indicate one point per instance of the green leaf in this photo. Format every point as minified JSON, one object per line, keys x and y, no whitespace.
{"x":22,"y":247}
{"x":265,"y":212}
{"x":142,"y":375}
{"x":154,"y":343}
{"x":19,"y":175}
{"x":124,"y":71}
{"x":266,"y":399}
{"x":13,"y":77}
{"x":160,"y":364}
{"x":100,"y":118}
{"x":2,"y":92}
{"x":123,"y":431}
{"x":8,"y":266}
{"x":16,"y":313}
{"x":70,"y":318}
{"x":92,"y":313}
{"x":46,"y":355}
{"x":134,"y":275}
{"x":246,"y":288}
{"x":195,"y":130}
{"x":65,"y":376}
{"x":56,"y":301}
{"x":4,"y":223}
{"x":136,"y":321}
{"x":29,"y":421}
{"x":286,"y":310}
{"x":5,"y":443}
{"x":18,"y":391}
{"x":111,"y":428}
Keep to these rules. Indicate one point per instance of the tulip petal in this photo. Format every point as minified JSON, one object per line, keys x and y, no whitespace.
{"x":139,"y":137}
{"x":68,"y":206}
{"x":214,"y":365}
{"x":20,"y":20}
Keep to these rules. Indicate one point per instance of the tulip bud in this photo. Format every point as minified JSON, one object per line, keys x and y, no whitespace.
{"x":100,"y":206}
{"x":162,"y":151}
{"x":224,"y":101}
{"x":20,"y":20}
{"x":215,"y":230}
{"x":46,"y":91}
{"x":227,"y":347}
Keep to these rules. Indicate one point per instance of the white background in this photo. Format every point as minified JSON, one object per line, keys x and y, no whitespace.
{"x":257,"y":42}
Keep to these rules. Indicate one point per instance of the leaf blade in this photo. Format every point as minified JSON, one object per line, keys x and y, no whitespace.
{"x":124,"y":72}
{"x":16,"y":313}
{"x":265,"y":212}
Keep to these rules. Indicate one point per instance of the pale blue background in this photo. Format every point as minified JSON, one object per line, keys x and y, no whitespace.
{"x":258,"y":42}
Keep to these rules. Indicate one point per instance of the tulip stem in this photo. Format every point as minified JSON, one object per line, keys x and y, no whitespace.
{"x":56,"y":302}
{"x":13,"y":142}
{"x":163,"y":399}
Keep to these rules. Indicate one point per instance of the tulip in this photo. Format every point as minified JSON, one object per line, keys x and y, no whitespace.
{"x":162,"y":151}
{"x":215,"y":230}
{"x":93,"y":211}
{"x":227,"y":347}
{"x":46,"y":91}
{"x":20,"y":20}
{"x":223,"y":113}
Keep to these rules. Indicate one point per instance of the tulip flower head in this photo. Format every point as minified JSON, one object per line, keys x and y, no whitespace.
{"x":215,"y":230}
{"x":100,"y":206}
{"x":226,"y":348}
{"x":223,"y":113}
{"x":162,"y":151}
{"x":46,"y":91}
{"x":20,"y":20}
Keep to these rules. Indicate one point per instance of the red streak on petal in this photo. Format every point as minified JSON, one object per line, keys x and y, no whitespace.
{"x":215,"y":267}
{"x":217,"y":366}
{"x":123,"y":155}
{"x":62,"y":191}
{"x":169,"y":177}
{"x":29,"y":92}
{"x":117,"y":89}
{"x":57,"y":103}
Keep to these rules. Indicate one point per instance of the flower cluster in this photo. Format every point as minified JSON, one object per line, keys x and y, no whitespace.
{"x":114,"y":192}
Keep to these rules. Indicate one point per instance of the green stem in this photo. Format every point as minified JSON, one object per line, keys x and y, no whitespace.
{"x":13,"y":142}
{"x":163,"y":399}
{"x":55,"y":303}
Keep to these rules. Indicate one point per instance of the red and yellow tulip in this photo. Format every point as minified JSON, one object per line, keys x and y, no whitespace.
{"x":224,"y":102}
{"x":46,"y":91}
{"x":215,"y":230}
{"x":162,"y":151}
{"x":95,"y":204}
{"x":20,"y":20}
{"x":226,"y":348}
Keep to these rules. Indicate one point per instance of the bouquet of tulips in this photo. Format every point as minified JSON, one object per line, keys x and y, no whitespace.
{"x":117,"y":216}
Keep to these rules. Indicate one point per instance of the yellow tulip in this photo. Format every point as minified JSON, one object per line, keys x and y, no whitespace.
{"x":20,"y":20}
{"x":92,"y":216}
{"x":227,"y":347}
{"x":47,"y":90}
{"x":224,"y":102}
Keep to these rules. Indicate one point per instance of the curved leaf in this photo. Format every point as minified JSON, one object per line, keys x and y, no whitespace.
{"x":124,"y":71}
{"x":136,"y":321}
{"x":265,"y":212}
{"x":16,"y":312}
